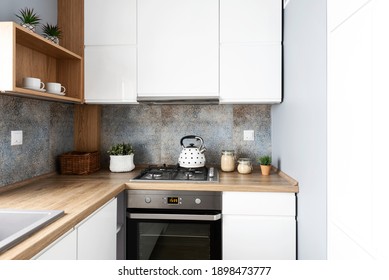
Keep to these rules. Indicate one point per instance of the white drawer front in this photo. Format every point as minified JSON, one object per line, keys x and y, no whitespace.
{"x":261,"y":203}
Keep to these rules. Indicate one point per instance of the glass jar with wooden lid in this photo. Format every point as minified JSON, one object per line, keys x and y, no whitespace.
{"x":244,"y":166}
{"x":227,"y":163}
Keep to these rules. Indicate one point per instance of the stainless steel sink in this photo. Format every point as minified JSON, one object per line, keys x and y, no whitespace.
{"x":16,"y":225}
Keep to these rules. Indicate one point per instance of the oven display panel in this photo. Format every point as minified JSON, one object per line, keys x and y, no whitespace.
{"x":172,"y":200}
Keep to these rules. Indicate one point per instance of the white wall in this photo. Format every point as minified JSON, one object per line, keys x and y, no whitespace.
{"x":299,"y":123}
{"x":358,"y":137}
{"x":46,"y":9}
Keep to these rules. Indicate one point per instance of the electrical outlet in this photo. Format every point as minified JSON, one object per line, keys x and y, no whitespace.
{"x":16,"y":137}
{"x":248,"y":135}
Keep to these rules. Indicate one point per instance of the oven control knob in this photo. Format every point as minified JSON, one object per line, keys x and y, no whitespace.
{"x":197,"y":200}
{"x":147,"y":199}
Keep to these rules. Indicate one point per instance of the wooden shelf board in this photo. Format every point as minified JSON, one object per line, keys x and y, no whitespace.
{"x":36,"y":42}
{"x":18,"y":91}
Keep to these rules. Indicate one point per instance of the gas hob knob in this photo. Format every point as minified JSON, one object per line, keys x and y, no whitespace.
{"x":147,"y":199}
{"x":197,"y":200}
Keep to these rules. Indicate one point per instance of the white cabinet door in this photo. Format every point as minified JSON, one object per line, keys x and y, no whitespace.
{"x":110,"y":74}
{"x":110,"y":51}
{"x":178,"y":48}
{"x":259,"y":226}
{"x":250,"y":21}
{"x":97,"y":234}
{"x":65,"y":248}
{"x":259,"y":238}
{"x":250,"y":73}
{"x":250,"y":51}
{"x":110,"y":22}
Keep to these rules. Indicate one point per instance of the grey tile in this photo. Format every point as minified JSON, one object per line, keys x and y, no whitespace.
{"x":47,"y":130}
{"x":257,"y":118}
{"x":156,"y":131}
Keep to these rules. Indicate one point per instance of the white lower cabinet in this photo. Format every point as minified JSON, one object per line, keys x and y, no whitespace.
{"x":258,"y":226}
{"x":97,"y":234}
{"x":93,"y":239}
{"x":64,"y":248}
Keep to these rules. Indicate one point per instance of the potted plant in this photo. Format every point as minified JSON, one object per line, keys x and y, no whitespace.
{"x":121,"y":158}
{"x":52,"y":32}
{"x":265,"y":162}
{"x":28,"y":18}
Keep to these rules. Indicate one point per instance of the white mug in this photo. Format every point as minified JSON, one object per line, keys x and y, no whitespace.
{"x":55,"y":88}
{"x":33,"y":83}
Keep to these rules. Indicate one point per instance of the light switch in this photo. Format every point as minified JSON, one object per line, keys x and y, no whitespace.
{"x":248,"y":135}
{"x":16,"y":137}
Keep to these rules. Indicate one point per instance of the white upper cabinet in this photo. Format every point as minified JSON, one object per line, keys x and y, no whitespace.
{"x":250,"y":51}
{"x":110,"y":22}
{"x":178,"y":48}
{"x":110,"y":52}
{"x":157,"y":50}
{"x":250,"y":73}
{"x":250,"y":21}
{"x":110,"y":74}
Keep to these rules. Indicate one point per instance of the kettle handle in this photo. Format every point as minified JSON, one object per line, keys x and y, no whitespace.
{"x":198,"y":138}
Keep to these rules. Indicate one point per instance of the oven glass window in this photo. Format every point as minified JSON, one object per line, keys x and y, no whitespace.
{"x":173,"y":241}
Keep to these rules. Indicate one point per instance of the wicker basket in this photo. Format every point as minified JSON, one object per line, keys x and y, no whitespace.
{"x":79,"y":162}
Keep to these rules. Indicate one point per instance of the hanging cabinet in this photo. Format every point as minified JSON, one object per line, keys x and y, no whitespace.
{"x":27,"y":54}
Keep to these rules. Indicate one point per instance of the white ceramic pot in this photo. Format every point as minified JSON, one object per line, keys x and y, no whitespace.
{"x":121,"y":163}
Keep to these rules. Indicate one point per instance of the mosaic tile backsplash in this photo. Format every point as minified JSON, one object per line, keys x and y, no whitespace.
{"x":155,"y":131}
{"x":47,"y":132}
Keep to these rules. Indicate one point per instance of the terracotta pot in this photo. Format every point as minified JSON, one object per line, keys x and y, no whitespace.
{"x":265,"y":169}
{"x":121,"y":163}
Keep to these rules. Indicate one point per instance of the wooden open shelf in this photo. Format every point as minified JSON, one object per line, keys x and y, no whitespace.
{"x":26,"y":54}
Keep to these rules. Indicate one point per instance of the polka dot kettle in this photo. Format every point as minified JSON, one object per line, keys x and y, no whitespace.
{"x":192,"y":156}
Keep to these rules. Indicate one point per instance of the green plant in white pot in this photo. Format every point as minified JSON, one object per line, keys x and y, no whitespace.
{"x":28,"y":18}
{"x":121,"y":158}
{"x":52,"y":32}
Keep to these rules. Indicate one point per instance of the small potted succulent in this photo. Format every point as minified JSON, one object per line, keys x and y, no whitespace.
{"x":52,"y":32}
{"x":265,"y":162}
{"x":121,"y":158}
{"x":28,"y":18}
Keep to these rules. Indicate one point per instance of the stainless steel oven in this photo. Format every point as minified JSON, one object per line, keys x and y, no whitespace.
{"x":173,"y":225}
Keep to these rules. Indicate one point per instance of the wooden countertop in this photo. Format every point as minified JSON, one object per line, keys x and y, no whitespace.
{"x":80,"y":196}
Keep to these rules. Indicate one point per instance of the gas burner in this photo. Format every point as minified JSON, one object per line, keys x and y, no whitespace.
{"x":175,"y":173}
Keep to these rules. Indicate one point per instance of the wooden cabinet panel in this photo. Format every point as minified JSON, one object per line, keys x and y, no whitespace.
{"x":26,"y":54}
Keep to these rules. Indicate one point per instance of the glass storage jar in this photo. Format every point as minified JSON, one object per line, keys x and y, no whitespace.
{"x":228,"y":161}
{"x":244,"y":166}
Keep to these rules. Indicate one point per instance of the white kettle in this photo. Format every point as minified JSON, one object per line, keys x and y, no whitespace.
{"x":192,"y":156}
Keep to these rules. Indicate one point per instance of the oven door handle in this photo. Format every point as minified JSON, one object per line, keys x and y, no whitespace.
{"x":183,"y":217}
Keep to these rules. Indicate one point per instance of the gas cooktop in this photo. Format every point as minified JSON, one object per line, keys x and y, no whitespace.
{"x":175,"y":173}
